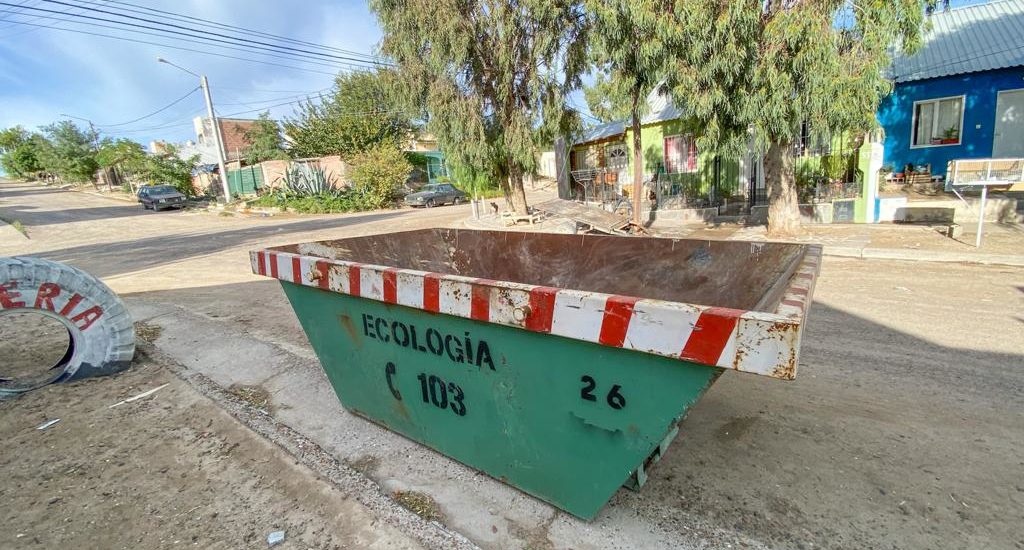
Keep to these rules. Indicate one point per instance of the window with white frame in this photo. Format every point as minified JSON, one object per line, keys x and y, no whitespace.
{"x":585,"y":159}
{"x":938,"y":121}
{"x":615,"y":155}
{"x":680,"y":154}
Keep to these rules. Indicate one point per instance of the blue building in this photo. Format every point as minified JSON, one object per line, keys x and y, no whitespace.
{"x":962,"y":94}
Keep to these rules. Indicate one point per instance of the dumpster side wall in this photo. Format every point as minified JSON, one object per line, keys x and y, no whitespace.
{"x":564,"y":420}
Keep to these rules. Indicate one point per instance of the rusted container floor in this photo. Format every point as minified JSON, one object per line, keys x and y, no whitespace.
{"x":739,"y":275}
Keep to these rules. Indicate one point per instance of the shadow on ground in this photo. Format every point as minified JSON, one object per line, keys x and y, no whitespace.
{"x":110,"y":259}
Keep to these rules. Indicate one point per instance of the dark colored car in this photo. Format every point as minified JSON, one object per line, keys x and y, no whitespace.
{"x":436,"y":194}
{"x":159,"y":197}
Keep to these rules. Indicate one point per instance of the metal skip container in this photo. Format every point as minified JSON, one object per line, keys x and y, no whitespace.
{"x":560,"y":364}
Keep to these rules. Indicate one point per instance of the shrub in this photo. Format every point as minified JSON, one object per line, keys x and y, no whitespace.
{"x":377,"y":174}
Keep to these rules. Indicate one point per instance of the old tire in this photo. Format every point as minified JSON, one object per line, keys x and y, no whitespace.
{"x":101,"y":329}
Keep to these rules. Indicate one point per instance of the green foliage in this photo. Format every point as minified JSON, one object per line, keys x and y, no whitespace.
{"x":265,"y":140}
{"x":378,"y":173}
{"x":20,"y":151}
{"x":123,"y":153}
{"x":72,"y":151}
{"x":308,"y":181}
{"x":328,"y":203}
{"x":169,"y":169}
{"x":357,"y":115}
{"x":766,"y":67}
{"x":606,"y":99}
{"x":493,"y":76}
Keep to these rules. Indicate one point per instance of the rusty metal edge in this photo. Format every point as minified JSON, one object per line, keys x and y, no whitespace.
{"x":765,"y":343}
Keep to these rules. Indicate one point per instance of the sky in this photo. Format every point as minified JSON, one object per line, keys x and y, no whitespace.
{"x":48,"y":74}
{"x":45,"y":73}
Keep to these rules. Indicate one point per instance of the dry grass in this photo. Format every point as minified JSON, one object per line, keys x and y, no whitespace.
{"x":420,"y":504}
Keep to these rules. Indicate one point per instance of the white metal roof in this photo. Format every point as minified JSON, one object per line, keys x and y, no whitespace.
{"x":659,"y":108}
{"x":967,"y":40}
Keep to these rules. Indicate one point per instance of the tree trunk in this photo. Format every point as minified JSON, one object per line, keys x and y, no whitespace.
{"x":783,"y":209}
{"x":515,"y":192}
{"x":638,"y":167}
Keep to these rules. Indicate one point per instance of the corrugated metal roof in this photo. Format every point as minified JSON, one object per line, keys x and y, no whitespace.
{"x":967,"y":40}
{"x":659,"y":108}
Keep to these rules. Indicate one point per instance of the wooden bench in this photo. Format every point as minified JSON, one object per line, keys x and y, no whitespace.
{"x":511,"y":218}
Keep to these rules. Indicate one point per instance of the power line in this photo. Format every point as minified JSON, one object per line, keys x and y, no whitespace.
{"x":235,"y":39}
{"x":245,"y":47}
{"x":161,"y":44}
{"x":156,"y":112}
{"x":286,"y":58}
{"x":220,"y":25}
{"x":299,"y":96}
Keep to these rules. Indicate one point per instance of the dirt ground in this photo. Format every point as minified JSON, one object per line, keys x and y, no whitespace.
{"x":30,"y":344}
{"x":166,"y":471}
{"x":903,"y":430}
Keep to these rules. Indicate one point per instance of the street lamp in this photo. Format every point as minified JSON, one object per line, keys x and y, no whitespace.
{"x":216,"y":126}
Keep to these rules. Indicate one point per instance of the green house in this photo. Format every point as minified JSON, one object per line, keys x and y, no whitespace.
{"x":676,"y":172}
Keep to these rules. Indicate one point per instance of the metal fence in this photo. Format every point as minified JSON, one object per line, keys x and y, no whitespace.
{"x":826,"y":191}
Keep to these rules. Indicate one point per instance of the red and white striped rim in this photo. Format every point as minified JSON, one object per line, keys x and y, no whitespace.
{"x":749,"y":341}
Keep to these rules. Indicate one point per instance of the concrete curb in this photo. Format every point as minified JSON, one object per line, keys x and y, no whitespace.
{"x":9,"y":233}
{"x":940,"y":256}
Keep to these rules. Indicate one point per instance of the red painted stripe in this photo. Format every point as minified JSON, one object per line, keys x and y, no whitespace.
{"x":542,"y":309}
{"x":261,"y":263}
{"x":390,"y":277}
{"x":353,"y":280}
{"x":480,"y":300}
{"x":710,"y":335}
{"x":273,"y":264}
{"x":618,"y":310}
{"x":323,"y":269}
{"x":296,"y":270}
{"x":432,"y":292}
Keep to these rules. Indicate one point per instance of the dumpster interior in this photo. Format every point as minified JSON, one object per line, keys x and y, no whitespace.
{"x":740,"y":275}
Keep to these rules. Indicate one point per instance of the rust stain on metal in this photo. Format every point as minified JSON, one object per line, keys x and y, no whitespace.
{"x":346,"y":323}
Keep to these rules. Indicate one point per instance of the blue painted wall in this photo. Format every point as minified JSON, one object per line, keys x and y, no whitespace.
{"x":897,"y":111}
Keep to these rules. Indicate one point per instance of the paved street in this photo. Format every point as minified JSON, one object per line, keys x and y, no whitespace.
{"x":904,"y":428}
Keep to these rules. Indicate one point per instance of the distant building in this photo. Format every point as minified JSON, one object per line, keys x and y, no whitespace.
{"x":962,"y":94}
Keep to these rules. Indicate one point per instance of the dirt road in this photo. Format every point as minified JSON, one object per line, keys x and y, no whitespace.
{"x":904,"y":428}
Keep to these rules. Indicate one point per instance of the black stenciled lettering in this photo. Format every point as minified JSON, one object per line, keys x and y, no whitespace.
{"x":434,"y":343}
{"x":587,"y":391}
{"x":483,"y":354}
{"x":381,"y":334}
{"x":469,"y":349}
{"x":389,"y":372}
{"x":458,"y":407}
{"x":451,"y":344}
{"x":366,"y":325}
{"x":415,"y":344}
{"x":402,"y":340}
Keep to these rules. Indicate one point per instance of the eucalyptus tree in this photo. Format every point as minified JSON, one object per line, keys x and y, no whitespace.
{"x":490,"y":76}
{"x":755,"y":70}
{"x":630,"y":43}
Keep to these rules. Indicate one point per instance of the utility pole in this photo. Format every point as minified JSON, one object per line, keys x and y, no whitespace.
{"x":216,"y":126}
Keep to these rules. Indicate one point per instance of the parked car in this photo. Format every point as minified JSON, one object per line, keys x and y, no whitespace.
{"x":435,"y":194}
{"x":159,"y":197}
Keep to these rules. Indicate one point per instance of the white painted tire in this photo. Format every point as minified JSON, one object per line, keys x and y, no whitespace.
{"x":101,"y":330}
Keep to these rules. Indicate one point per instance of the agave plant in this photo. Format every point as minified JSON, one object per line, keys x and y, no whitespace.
{"x":301,"y":180}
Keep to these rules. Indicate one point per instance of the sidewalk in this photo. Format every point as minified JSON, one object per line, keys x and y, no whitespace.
{"x":1002,"y":244}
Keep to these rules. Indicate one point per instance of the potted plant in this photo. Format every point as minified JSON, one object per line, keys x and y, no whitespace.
{"x":950,"y":135}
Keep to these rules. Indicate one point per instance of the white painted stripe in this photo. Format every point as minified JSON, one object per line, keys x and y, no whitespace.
{"x":410,"y":289}
{"x":284,"y":266}
{"x":578,"y":315}
{"x":254,"y":261}
{"x":267,"y":258}
{"x":454,"y":297}
{"x":660,"y":327}
{"x":337,"y":278}
{"x":508,"y":306}
{"x":760,"y":351}
{"x":371,"y":283}
{"x":307,"y":269}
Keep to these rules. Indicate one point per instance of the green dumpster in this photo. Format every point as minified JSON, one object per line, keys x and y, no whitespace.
{"x":560,"y":364}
